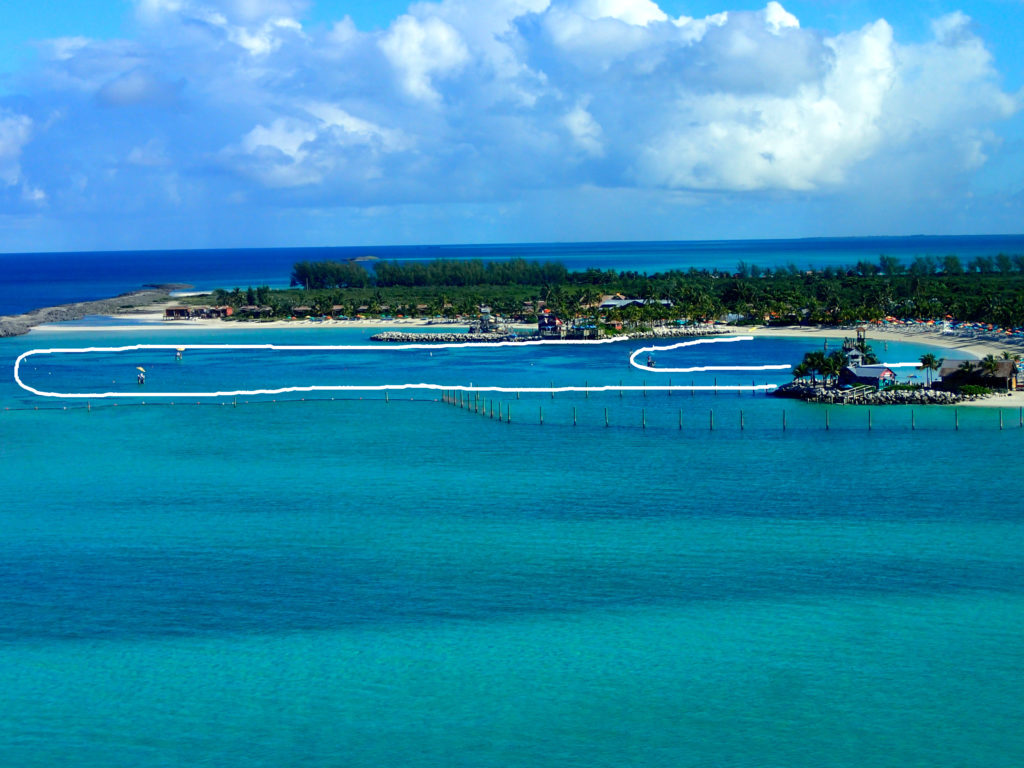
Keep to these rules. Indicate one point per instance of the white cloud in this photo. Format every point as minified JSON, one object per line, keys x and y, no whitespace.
{"x":584,"y":129}
{"x":259,"y":27}
{"x":15,"y":133}
{"x":33,"y":195}
{"x":778,"y":18}
{"x":875,"y":97}
{"x":638,"y":12}
{"x":309,"y":150}
{"x":465,"y":100}
{"x":422,"y":50}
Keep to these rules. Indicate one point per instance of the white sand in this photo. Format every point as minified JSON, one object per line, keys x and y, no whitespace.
{"x":152,"y":319}
{"x":965,"y":346}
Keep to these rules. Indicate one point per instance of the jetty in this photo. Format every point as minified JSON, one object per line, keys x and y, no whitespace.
{"x":403,"y":337}
{"x":868,"y":395}
{"x":451,"y":337}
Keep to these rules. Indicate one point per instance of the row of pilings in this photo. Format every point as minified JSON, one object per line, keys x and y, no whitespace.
{"x":501,"y":410}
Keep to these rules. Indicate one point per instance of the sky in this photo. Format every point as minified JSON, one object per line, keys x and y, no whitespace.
{"x":154,"y":124}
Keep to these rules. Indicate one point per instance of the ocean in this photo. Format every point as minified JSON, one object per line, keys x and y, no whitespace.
{"x":361,"y":579}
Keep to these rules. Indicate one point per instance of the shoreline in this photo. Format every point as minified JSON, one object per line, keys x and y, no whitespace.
{"x":973,"y":348}
{"x":150,"y":317}
{"x":133,"y":301}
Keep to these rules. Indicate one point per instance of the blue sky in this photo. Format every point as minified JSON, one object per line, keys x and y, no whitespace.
{"x":234,"y":123}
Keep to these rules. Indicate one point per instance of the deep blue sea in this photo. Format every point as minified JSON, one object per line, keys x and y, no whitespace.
{"x":361,"y":580}
{"x":30,"y":281}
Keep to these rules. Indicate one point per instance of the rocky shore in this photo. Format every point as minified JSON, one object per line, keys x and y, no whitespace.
{"x":834,"y":395}
{"x":471,"y":338}
{"x":16,"y":325}
{"x":446,"y":338}
{"x":669,"y":332}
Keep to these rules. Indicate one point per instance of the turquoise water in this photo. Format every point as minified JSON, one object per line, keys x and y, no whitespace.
{"x":369,"y":583}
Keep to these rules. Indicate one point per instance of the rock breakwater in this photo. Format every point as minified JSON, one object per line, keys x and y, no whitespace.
{"x":866,"y":396}
{"x":446,"y":338}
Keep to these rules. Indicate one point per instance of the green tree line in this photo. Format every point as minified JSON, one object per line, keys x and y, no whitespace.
{"x":983,"y":289}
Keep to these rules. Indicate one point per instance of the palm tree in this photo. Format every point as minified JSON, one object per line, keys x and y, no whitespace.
{"x":816,"y":363}
{"x":930,"y":363}
{"x":989,"y":365}
{"x":834,"y":365}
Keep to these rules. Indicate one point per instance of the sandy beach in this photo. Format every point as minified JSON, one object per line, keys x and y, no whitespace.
{"x":152,"y":318}
{"x":964,"y":346}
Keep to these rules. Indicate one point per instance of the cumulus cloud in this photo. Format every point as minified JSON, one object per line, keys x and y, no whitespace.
{"x":422,"y":50}
{"x":795,"y":141}
{"x":638,"y":12}
{"x":15,"y":133}
{"x":584,"y":129}
{"x":322,"y":140}
{"x":468,"y":100}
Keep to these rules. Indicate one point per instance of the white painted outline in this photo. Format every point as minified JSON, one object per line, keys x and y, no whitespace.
{"x":409,"y":386}
{"x":703,"y":368}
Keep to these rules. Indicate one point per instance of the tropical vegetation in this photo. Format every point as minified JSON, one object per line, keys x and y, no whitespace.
{"x":982,"y":289}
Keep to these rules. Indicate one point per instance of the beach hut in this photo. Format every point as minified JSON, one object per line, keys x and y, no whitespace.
{"x":177,"y":313}
{"x":878,"y":376}
{"x":953,"y":375}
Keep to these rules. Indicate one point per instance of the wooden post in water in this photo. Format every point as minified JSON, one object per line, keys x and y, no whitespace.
{"x":643,"y":418}
{"x":542,"y":415}
{"x":869,"y":419}
{"x":716,"y":386}
{"x":741,"y":420}
{"x":680,"y":418}
{"x":711,"y":420}
{"x":783,"y":419}
{"x":1000,"y":418}
{"x":913,"y":422}
{"x":606,"y":417}
{"x":956,"y":419}
{"x":386,"y":398}
{"x":620,"y":389}
{"x":552,"y":389}
{"x":508,"y":414}
{"x":670,"y":387}
{"x":826,"y":420}
{"x":586,"y":389}
{"x":692,"y":390}
{"x":645,"y":387}
{"x":1021,"y":416}
{"x":574,"y":415}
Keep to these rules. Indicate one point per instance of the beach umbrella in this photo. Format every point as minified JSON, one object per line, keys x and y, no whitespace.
{"x":141,"y":368}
